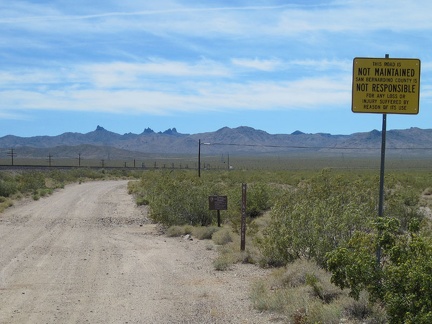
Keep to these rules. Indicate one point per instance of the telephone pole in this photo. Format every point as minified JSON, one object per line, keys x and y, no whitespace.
{"x":49,"y":159}
{"x":12,"y":154}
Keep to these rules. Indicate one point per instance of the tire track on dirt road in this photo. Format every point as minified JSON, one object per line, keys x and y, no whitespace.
{"x":87,"y":254}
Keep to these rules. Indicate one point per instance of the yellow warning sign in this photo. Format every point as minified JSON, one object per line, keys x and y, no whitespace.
{"x":386,"y":85}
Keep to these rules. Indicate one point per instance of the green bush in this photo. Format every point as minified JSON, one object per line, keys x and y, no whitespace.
{"x":180,"y":197}
{"x":316,"y":217}
{"x":176,"y":200}
{"x":402,"y":283}
{"x":265,"y":300}
{"x":204,"y":232}
{"x":223,"y":262}
{"x":8,"y":188}
{"x":258,"y":199}
{"x":222,"y":237}
{"x":31,"y":181}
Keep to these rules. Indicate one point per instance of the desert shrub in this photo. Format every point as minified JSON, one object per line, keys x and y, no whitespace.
{"x":316,"y":217}
{"x":204,"y":232}
{"x":362,"y":310}
{"x":174,"y":231}
{"x":264,"y":299}
{"x":323,"y":313}
{"x":402,"y":203}
{"x":258,"y":199}
{"x":223,"y":262}
{"x":30,"y":181}
{"x":45,"y":192}
{"x":5,"y":203}
{"x":402,"y":283}
{"x":8,"y":188}
{"x":180,"y":197}
{"x":303,"y":293}
{"x":141,"y":201}
{"x":176,"y":199}
{"x":222,"y":237}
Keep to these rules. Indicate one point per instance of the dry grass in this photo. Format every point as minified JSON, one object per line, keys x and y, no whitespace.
{"x":223,"y":236}
{"x":5,"y":203}
{"x":204,"y":232}
{"x":175,"y":231}
{"x":302,"y":291}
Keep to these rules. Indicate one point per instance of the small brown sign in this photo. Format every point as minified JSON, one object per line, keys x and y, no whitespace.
{"x":218,"y":202}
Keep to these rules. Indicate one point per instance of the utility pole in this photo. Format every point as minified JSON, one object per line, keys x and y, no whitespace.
{"x":12,"y":154}
{"x":228,"y":163}
{"x":49,"y":159}
{"x":79,"y":159}
{"x":199,"y":158}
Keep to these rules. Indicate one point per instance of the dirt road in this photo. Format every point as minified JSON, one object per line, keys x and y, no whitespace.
{"x":87,"y":254}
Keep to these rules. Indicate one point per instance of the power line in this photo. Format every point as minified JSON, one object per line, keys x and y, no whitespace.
{"x":318,"y":147}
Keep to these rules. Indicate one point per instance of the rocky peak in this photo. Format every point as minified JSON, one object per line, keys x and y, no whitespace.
{"x":148,"y":130}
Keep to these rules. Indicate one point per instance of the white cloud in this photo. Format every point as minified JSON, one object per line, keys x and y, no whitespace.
{"x":307,"y":93}
{"x":181,"y":18}
{"x":322,"y":65}
{"x":114,"y":74}
{"x":184,"y":59}
{"x":258,"y":64}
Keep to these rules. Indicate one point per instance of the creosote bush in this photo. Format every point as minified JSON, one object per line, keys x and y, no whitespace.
{"x":402,"y":281}
{"x":324,"y":212}
{"x":180,"y":197}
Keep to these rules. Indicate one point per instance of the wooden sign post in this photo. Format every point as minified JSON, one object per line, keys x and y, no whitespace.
{"x":243,"y":218}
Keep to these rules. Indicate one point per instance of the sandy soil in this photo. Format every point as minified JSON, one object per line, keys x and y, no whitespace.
{"x":87,"y":254}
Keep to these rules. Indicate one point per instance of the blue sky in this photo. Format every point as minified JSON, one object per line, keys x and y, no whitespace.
{"x":278,"y":66}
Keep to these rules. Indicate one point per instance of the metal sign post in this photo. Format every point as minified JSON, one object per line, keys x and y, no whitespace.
{"x":218,"y":203}
{"x":385,"y":86}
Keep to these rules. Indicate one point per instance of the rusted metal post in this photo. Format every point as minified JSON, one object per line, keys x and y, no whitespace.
{"x":243,"y":218}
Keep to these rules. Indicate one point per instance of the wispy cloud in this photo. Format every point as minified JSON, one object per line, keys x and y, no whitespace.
{"x":174,"y":57}
{"x":258,"y":64}
{"x":335,"y":16}
{"x":177,"y":9}
{"x":187,"y":98}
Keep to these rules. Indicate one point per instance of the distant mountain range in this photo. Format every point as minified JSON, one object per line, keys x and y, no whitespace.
{"x":241,"y":140}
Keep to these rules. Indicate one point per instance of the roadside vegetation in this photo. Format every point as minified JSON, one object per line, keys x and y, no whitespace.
{"x":15,"y":185}
{"x":317,"y":229}
{"x":320,"y":233}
